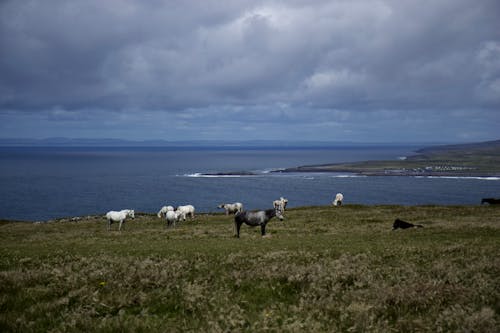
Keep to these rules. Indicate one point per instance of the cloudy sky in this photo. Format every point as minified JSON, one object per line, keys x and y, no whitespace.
{"x":344,"y":70}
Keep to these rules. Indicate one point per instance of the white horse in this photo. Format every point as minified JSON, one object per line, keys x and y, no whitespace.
{"x":338,"y":199}
{"x":281,"y":204}
{"x":182,"y":211}
{"x":232,"y":208}
{"x":114,"y":216}
{"x":171,"y":218}
{"x":163,"y":211}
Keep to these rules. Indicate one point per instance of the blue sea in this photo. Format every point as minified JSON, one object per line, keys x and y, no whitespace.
{"x":42,"y":183}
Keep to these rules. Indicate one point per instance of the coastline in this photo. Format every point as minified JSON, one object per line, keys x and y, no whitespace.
{"x":469,"y":160}
{"x":466,"y":160}
{"x":334,"y":168}
{"x":365,"y":170}
{"x":356,"y":172}
{"x":255,"y":184}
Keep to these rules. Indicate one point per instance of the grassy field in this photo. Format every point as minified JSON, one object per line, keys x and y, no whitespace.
{"x":324,"y":269}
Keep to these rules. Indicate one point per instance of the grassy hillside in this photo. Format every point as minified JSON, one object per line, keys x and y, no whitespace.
{"x":324,"y":269}
{"x":477,"y":159}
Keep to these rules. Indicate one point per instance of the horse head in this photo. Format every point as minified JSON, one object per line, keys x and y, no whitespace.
{"x":279,"y":213}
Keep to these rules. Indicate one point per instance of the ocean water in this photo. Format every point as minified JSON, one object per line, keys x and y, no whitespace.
{"x":39,"y":183}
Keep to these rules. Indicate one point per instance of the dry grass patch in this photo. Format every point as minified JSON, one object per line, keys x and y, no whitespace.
{"x":323,"y":269}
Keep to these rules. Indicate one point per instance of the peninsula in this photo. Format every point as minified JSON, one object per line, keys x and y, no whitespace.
{"x":462,"y":160}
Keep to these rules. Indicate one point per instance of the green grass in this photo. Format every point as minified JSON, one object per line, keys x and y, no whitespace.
{"x":324,"y":269}
{"x":480,"y":159}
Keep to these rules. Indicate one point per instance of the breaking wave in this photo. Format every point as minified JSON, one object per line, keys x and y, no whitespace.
{"x":203,"y":175}
{"x":460,"y":177}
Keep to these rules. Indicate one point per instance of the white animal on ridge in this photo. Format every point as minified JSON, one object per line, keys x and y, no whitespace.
{"x":171,"y":218}
{"x":338,"y":199}
{"x":183,"y":211}
{"x":232,"y":208}
{"x":281,"y":204}
{"x":114,"y":216}
{"x":163,"y":211}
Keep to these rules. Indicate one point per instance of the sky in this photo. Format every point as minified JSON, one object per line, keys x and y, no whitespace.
{"x":311,"y":70}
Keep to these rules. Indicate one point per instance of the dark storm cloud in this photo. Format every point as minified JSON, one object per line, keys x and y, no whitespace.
{"x":247,"y":59}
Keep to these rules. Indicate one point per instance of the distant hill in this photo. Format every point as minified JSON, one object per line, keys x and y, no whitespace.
{"x":85,"y":142}
{"x":463,"y":160}
{"x":463,"y":149}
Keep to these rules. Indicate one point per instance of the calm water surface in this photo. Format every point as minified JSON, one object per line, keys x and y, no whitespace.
{"x":47,"y":183}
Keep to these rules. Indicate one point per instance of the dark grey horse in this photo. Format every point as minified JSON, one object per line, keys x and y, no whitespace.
{"x":400,"y":224}
{"x":254,"y":219}
{"x":491,"y":201}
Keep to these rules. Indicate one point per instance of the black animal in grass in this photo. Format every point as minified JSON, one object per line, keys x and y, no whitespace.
{"x":400,"y":224}
{"x":254,"y":219}
{"x":491,"y":201}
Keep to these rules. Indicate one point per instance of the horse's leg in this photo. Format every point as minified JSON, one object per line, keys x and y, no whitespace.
{"x":109,"y":224}
{"x":263,"y":229}
{"x":238,"y":226}
{"x":120,"y":226}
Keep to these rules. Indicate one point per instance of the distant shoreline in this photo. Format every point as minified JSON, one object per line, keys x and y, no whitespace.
{"x":338,"y":168}
{"x":468,"y":160}
{"x":388,"y":173}
{"x":464,"y":160}
{"x":229,"y":144}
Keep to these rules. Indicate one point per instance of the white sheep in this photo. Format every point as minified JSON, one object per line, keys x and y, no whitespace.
{"x":163,"y":211}
{"x":338,"y":199}
{"x":232,"y":208}
{"x":183,"y":211}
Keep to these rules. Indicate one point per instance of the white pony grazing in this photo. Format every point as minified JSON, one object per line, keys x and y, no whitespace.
{"x":163,"y":211}
{"x":183,"y":211}
{"x":171,"y":218}
{"x":114,"y":216}
{"x":232,"y":208}
{"x":338,"y":199}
